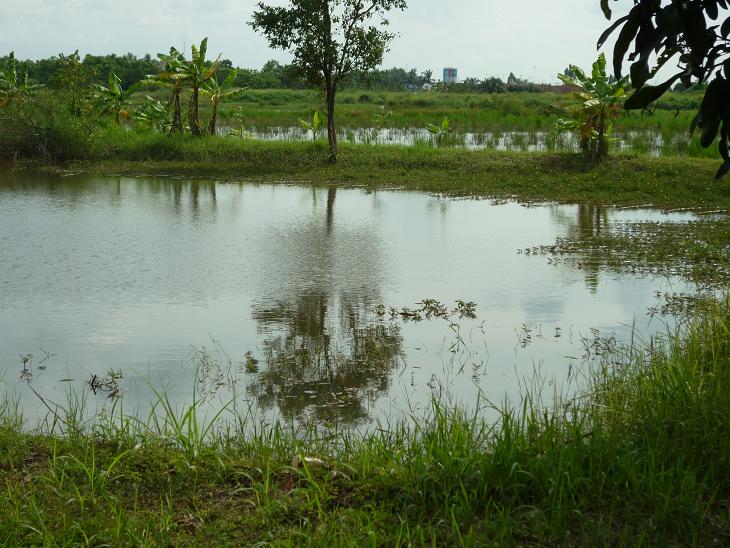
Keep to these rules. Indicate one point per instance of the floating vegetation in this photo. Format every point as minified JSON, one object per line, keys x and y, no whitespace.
{"x":107,"y":384}
{"x":698,"y":251}
{"x":250,"y":363}
{"x":429,"y":309}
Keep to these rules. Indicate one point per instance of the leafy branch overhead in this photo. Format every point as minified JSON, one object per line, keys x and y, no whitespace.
{"x":692,"y":33}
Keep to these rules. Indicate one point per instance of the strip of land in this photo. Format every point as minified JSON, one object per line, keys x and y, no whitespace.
{"x":666,"y":182}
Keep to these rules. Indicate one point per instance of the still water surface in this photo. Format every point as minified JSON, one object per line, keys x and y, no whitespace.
{"x":158,"y":276}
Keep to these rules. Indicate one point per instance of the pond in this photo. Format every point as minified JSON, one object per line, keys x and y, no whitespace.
{"x":292,"y":298}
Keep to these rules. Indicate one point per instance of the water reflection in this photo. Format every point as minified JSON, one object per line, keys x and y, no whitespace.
{"x":325,"y":359}
{"x":131,"y":273}
{"x":589,"y":221}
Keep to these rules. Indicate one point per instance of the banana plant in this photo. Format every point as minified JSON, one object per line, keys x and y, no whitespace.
{"x":597,"y":104}
{"x":112,"y":99}
{"x":239,"y":115}
{"x":155,"y":114}
{"x":198,"y":72}
{"x":174,"y":77}
{"x":313,"y":126}
{"x":440,"y":132}
{"x":14,"y":82}
{"x":219,"y":91}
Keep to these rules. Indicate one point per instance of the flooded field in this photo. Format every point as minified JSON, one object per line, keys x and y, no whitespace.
{"x":654,"y":143}
{"x":307,"y":304}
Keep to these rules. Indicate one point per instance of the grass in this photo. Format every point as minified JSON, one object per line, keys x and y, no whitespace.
{"x":668,"y":182}
{"x":478,"y":112}
{"x":640,"y":458}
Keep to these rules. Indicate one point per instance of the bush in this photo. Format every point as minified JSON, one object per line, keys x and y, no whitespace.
{"x":43,"y":126}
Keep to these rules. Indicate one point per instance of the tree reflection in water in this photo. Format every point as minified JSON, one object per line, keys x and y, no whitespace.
{"x":591,"y":222}
{"x":325,"y":362}
{"x":326,"y":355}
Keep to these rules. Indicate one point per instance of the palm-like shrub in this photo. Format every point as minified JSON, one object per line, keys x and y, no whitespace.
{"x":14,"y":83}
{"x":598,"y":102}
{"x":113,"y":99}
{"x":218,"y":92}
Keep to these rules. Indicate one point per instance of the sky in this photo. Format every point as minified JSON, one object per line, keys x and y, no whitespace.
{"x":535,"y":39}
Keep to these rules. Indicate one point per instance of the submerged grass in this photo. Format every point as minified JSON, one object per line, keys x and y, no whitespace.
{"x":640,"y":458}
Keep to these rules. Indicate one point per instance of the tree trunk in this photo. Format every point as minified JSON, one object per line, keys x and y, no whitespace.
{"x":193,"y":112}
{"x":331,"y":132}
{"x":213,"y":119}
{"x":177,"y":117}
{"x":331,"y":194}
{"x":602,"y":144}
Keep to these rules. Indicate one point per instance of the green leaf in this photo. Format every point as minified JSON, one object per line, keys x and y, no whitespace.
{"x":609,"y":31}
{"x":606,"y":9}
{"x":709,"y":132}
{"x":625,"y":37}
{"x":724,"y":168}
{"x":639,"y":73}
{"x":711,"y":9}
{"x":725,"y":28}
{"x":599,"y":67}
{"x":648,"y":94}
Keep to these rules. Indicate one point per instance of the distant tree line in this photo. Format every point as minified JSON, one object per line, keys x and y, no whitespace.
{"x":130,"y":69}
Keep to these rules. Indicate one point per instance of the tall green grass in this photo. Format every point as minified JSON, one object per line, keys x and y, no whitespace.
{"x":640,"y":457}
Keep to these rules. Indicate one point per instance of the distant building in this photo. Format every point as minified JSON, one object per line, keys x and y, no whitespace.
{"x":450,"y":76}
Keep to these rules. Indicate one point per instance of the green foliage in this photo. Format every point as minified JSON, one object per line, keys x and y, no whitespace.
{"x":441,"y":131}
{"x":669,"y":29}
{"x":113,"y":99}
{"x":646,"y":437}
{"x":218,"y":92}
{"x":312,"y":126}
{"x":42,"y":127}
{"x":14,"y":85}
{"x":155,"y":114}
{"x":198,"y":72}
{"x":71,"y":80}
{"x":330,"y":40}
{"x":173,"y":76}
{"x":597,"y":105}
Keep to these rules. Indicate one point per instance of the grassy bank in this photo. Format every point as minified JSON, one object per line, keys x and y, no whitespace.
{"x":622,"y":180}
{"x":640,"y":459}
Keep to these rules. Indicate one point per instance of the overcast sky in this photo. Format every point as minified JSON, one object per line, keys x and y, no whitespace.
{"x":532,"y":38}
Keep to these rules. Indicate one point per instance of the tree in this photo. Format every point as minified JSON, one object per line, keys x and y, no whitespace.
{"x":113,"y":99}
{"x":198,"y":72}
{"x":219,"y":91}
{"x":682,"y":30}
{"x":14,"y":81}
{"x":71,"y":79}
{"x":597,"y":104}
{"x":330,"y":39}
{"x":493,"y":85}
{"x":172,"y":76}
